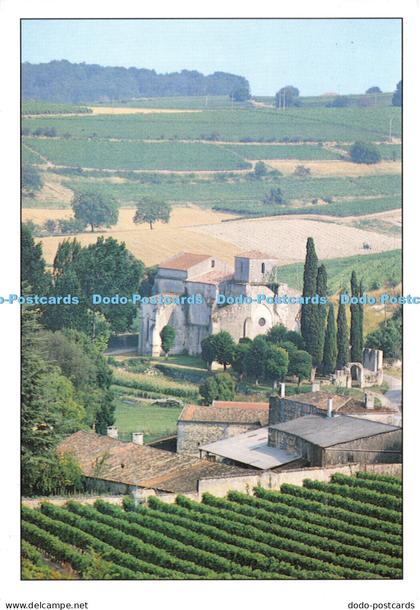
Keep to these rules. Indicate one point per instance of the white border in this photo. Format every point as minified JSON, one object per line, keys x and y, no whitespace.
{"x":328,"y":595}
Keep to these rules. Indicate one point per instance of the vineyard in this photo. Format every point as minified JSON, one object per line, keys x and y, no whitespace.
{"x":36,"y":107}
{"x":294,"y":125}
{"x":136,"y":155}
{"x":375,"y":270}
{"x":349,"y":528}
{"x":367,"y":194}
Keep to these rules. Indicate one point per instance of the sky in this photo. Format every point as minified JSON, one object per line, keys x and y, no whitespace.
{"x":320,"y":55}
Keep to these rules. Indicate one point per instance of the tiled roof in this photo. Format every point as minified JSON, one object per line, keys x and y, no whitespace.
{"x":212,"y":277}
{"x":183,"y":261}
{"x":255,"y":254}
{"x":233,"y":415}
{"x":223,"y":404}
{"x":105,"y":458}
{"x":320,"y":400}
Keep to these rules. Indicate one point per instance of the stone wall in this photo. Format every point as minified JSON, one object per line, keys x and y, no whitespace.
{"x":273,"y":480}
{"x":283,"y":440}
{"x":190,"y":435}
{"x":285,"y":409}
{"x":378,"y":449}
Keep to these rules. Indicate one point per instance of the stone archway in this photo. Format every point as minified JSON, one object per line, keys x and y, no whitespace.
{"x":247,"y":327}
{"x":360,"y":375}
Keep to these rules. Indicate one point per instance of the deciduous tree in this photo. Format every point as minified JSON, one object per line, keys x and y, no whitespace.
{"x":152,"y":210}
{"x":95,"y":209}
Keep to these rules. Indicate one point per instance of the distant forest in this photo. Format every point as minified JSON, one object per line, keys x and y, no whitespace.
{"x":63,"y":81}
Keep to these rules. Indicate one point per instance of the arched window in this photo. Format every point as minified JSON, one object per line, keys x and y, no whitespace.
{"x":262,"y":267}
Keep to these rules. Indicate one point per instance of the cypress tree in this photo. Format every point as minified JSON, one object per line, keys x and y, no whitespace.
{"x":321,"y":314}
{"x":343,"y":352}
{"x":356,"y":324}
{"x":329,"y":360}
{"x":361,"y":319}
{"x":308,"y":320}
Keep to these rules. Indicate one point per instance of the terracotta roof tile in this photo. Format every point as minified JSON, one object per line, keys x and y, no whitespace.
{"x":109,"y":459}
{"x":184,"y":261}
{"x":223,"y":404}
{"x":255,"y":254}
{"x":212,"y":277}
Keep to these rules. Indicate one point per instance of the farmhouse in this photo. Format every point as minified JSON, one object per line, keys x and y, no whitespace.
{"x":284,"y":408}
{"x":337,"y":439}
{"x":200,"y":425}
{"x":110,"y":465}
{"x":311,"y":429}
{"x":190,"y":274}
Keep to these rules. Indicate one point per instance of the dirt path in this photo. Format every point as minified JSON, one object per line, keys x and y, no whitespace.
{"x":202,"y":172}
{"x":394,"y":394}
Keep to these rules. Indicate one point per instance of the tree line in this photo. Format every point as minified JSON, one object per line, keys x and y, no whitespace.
{"x":63,"y":81}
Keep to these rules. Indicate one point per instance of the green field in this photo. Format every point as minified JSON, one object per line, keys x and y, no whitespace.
{"x":35,"y":107}
{"x":192,"y":102}
{"x":135,"y":416}
{"x":245,"y":196}
{"x":308,"y":152}
{"x":349,"y":528}
{"x":297,"y":124}
{"x":30,"y":156}
{"x":136,"y":155}
{"x":374,"y":269}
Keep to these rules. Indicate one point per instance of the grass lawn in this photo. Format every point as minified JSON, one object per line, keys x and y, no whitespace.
{"x":154,"y":421}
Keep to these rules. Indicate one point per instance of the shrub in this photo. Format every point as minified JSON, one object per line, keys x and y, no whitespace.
{"x":218,"y":387}
{"x":363,"y":152}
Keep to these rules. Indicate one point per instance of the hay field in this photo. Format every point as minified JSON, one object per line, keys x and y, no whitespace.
{"x":154,"y":246}
{"x":285,"y":237}
{"x":335,"y":168}
{"x":197,"y":230}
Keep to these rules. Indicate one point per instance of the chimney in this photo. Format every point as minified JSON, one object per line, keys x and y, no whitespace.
{"x":137,"y":438}
{"x":112,"y":432}
{"x":282,"y":390}
{"x":330,"y":408}
{"x":369,"y":401}
{"x":316,"y":387}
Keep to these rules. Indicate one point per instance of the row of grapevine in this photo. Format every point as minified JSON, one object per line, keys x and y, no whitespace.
{"x":346,"y":529}
{"x":373,"y":476}
{"x":382,"y":487}
{"x":282,"y":550}
{"x":341,"y":557}
{"x":317,"y":512}
{"x":367,"y":496}
{"x":384,"y":515}
{"x":53,"y":519}
{"x":345,"y":510}
{"x":63,"y":552}
{"x":309,"y":543}
{"x":294,"y":521}
{"x":203,"y":551}
{"x":149,"y":553}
